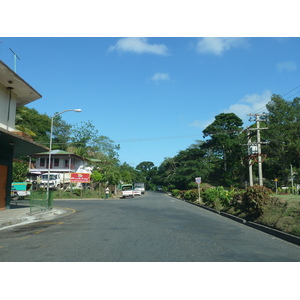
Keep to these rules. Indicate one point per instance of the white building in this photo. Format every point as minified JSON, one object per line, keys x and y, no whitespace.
{"x":14,"y":93}
{"x":61,"y":162}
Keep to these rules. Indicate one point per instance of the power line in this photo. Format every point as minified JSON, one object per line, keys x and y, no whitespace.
{"x":291,"y":91}
{"x":264,"y":107}
{"x":155,"y":139}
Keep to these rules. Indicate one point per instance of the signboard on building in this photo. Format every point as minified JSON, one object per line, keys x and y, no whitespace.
{"x":80,"y":177}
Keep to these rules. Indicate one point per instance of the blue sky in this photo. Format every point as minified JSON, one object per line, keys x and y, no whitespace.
{"x":155,"y":95}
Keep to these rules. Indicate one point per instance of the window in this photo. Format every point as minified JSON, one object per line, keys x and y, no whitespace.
{"x":42,"y":162}
{"x":56,"y":162}
{"x":66,"y":163}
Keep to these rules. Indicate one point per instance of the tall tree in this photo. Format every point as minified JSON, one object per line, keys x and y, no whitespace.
{"x":283,"y":127}
{"x":181,"y":170}
{"x":87,"y":142}
{"x":146,"y":173}
{"x":224,"y":141}
{"x":38,"y":124}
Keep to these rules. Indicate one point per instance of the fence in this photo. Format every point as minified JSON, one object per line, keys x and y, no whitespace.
{"x":40,"y":200}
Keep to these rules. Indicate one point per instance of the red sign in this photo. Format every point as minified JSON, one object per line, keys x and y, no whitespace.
{"x":80,"y":177}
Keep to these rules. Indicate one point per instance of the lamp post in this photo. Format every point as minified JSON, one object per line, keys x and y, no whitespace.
{"x":50,"y":147}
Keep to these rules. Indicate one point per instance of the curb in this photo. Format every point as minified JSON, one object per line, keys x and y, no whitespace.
{"x":39,"y":216}
{"x":277,"y":233}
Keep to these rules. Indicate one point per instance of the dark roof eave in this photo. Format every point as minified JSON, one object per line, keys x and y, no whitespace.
{"x":21,"y":146}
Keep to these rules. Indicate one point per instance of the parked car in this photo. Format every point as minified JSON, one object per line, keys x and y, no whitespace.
{"x":14,"y":194}
{"x":127,"y":190}
{"x":137,"y":192}
{"x":139,"y":186}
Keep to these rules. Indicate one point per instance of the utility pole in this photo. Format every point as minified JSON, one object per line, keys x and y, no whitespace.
{"x":250,"y":161}
{"x":292,"y":179}
{"x":258,"y":144}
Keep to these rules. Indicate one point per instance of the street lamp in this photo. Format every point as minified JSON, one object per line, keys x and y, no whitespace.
{"x":50,"y":147}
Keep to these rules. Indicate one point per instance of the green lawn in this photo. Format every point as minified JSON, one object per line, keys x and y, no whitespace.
{"x":283,"y":214}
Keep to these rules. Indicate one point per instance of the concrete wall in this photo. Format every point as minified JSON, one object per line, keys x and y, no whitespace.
{"x":8,"y":109}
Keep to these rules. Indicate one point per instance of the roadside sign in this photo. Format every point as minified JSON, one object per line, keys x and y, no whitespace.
{"x":80,"y":177}
{"x":198,"y":180}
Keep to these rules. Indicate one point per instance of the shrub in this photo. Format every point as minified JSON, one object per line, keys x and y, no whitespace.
{"x":237,"y":199}
{"x":218,"y":196}
{"x":175,"y":193}
{"x":209,"y":196}
{"x":191,"y":195}
{"x":255,"y":199}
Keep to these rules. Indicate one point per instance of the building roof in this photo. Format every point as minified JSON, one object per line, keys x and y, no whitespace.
{"x":61,"y":152}
{"x":57,"y":152}
{"x":24,"y":92}
{"x":19,"y":145}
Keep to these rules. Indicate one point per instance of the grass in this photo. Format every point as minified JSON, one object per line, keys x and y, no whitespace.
{"x":77,"y":194}
{"x":283,"y":214}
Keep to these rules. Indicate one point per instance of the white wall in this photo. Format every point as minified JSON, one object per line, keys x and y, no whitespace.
{"x":7,"y":121}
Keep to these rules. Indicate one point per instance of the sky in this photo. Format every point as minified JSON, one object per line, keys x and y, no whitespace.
{"x":154,"y":96}
{"x":150,"y":77}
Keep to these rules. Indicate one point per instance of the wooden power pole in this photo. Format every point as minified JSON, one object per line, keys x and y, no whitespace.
{"x":254,"y":149}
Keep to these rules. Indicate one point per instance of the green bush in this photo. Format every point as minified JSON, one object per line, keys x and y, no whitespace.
{"x":175,"y":193}
{"x":209,"y":196}
{"x":255,"y":199}
{"x":191,"y":195}
{"x":218,"y":196}
{"x":237,"y":199}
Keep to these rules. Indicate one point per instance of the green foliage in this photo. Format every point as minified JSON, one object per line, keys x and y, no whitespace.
{"x":218,"y":195}
{"x":209,"y":196}
{"x":36,"y":124}
{"x":86,"y":142}
{"x":225,"y":143}
{"x":19,"y":172}
{"x":146,"y":172}
{"x":97,"y":176}
{"x":180,"y":171}
{"x":191,"y":195}
{"x":175,"y":193}
{"x":255,"y":199}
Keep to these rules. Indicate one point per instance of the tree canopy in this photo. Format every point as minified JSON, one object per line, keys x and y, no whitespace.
{"x":219,"y":158}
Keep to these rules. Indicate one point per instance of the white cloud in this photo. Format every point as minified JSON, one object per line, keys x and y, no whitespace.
{"x":218,"y":45}
{"x":288,"y":66}
{"x":139,"y":45}
{"x":201,"y":124}
{"x":160,"y":76}
{"x":254,"y":103}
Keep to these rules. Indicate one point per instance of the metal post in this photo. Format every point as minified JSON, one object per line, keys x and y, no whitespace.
{"x":49,"y":159}
{"x":292,"y":179}
{"x":15,"y":60}
{"x":50,"y":146}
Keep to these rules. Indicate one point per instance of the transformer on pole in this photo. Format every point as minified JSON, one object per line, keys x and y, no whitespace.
{"x":254,"y":150}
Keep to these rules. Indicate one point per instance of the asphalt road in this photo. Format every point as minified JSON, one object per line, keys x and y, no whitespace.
{"x":150,"y":228}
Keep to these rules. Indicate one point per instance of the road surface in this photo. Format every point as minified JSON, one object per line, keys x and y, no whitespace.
{"x":150,"y":228}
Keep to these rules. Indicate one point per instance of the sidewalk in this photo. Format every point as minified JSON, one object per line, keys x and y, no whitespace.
{"x":20,"y":214}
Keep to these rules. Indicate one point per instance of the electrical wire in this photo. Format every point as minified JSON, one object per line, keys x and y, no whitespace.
{"x":264,"y":107}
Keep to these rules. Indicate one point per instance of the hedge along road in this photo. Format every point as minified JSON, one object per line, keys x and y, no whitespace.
{"x":149,"y":228}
